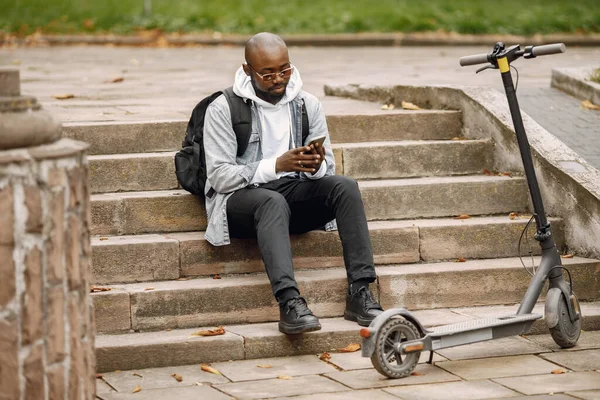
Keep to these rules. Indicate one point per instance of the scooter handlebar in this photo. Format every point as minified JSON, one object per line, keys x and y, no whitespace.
{"x":548,"y":49}
{"x":473,"y":60}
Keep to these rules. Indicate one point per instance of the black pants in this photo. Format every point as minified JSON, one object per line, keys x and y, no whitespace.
{"x":273,"y":210}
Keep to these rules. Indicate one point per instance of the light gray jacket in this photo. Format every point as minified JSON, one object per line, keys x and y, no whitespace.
{"x":227,"y":173}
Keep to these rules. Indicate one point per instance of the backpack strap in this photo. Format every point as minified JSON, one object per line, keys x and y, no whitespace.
{"x":241,"y":119}
{"x":305,"y":131}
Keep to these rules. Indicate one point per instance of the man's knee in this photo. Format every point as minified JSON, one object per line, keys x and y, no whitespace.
{"x":344,"y":184}
{"x":271,"y":203}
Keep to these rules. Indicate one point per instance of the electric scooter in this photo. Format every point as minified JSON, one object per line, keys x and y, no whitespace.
{"x":395,"y":339}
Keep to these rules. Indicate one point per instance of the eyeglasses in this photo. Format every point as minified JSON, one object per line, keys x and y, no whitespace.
{"x":286,"y":73}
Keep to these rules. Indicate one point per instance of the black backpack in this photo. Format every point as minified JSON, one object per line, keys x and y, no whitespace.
{"x":190,"y":161}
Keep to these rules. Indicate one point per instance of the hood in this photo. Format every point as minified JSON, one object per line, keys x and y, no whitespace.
{"x":242,"y":86}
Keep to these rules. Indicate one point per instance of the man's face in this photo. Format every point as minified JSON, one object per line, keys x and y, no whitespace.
{"x":268,"y":61}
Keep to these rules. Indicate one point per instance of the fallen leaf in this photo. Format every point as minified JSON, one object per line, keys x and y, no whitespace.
{"x":169,"y":330}
{"x":513,"y":215}
{"x":99,"y":289}
{"x":199,"y":384}
{"x":325,"y":356}
{"x":208,"y":368}
{"x":460,"y":259}
{"x":264,"y":366}
{"x":459,"y":138}
{"x":558,"y":371}
{"x":409,"y":106}
{"x":505,"y":174}
{"x":352,"y":347}
{"x":149,"y":288}
{"x":115,"y":80}
{"x":137,"y":389}
{"x":103,"y":238}
{"x":63,"y":96}
{"x":589,"y":105}
{"x":487,"y":172}
{"x":384,"y":107}
{"x":463,"y":216}
{"x":177,"y":377}
{"x":99,"y":376}
{"x":566,"y":256}
{"x":284,"y":377}
{"x":211,"y":332}
{"x":216,"y":276}
{"x":136,"y":374}
{"x":117,"y":370}
{"x":185,"y":278}
{"x":415,"y":373}
{"x":88,"y":23}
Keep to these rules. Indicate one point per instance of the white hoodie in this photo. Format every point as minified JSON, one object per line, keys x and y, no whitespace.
{"x":276,"y":122}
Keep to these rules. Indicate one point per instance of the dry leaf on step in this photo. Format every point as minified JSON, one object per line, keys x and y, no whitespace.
{"x":513,"y":215}
{"x":352,"y":347}
{"x":149,"y":288}
{"x":566,"y":256}
{"x":136,"y":374}
{"x":284,"y":377}
{"x":99,"y":289}
{"x":103,"y":238}
{"x":463,"y":216}
{"x":208,"y":368}
{"x":325,"y":356}
{"x":211,"y":332}
{"x":115,"y":80}
{"x":216,"y":276}
{"x":460,"y":259}
{"x":505,"y":174}
{"x":487,"y":172}
{"x":63,"y":96}
{"x":264,"y":366}
{"x":558,"y":371}
{"x":177,"y":377}
{"x":137,"y":389}
{"x":415,"y":373}
{"x":589,"y":105}
{"x":409,"y":106}
{"x":459,"y":138}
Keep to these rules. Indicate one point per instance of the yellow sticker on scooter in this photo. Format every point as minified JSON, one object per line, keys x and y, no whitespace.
{"x":503,"y":64}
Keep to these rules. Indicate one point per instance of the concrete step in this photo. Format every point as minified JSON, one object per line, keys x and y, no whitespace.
{"x":248,"y":298}
{"x":139,"y":258}
{"x":370,"y":160}
{"x":178,"y":211}
{"x":158,"y":136}
{"x":176,"y":347}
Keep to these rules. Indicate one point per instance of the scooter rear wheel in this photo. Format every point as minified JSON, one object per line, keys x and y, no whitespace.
{"x":565,"y":333}
{"x":385,"y":359}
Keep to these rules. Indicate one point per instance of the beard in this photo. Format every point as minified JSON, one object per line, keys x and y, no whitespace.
{"x":266,"y":96}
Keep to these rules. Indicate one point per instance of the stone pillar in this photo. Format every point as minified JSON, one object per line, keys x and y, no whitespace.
{"x":46,"y":319}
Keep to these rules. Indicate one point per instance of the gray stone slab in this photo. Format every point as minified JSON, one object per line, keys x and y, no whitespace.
{"x":250,"y":370}
{"x":352,"y":361}
{"x":371,"y":394}
{"x":364,"y":379}
{"x":587,"y":340}
{"x":182,"y":393}
{"x":452,"y":390}
{"x":509,"y":346}
{"x":160,"y":378}
{"x":271,"y":388}
{"x":586,"y":394}
{"x":584,"y":360}
{"x":498,"y":367}
{"x":550,"y":383}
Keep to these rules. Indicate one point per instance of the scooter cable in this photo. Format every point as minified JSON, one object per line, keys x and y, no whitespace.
{"x":530,"y":250}
{"x":517,"y":81}
{"x":568,"y":273}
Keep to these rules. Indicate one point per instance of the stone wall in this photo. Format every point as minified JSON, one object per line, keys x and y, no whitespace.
{"x":46,"y":319}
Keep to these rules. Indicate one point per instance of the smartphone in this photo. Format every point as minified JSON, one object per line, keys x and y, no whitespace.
{"x":318,"y":139}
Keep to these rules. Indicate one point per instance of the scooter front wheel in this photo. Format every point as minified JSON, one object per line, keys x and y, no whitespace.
{"x":566,"y":332}
{"x":386,"y":360}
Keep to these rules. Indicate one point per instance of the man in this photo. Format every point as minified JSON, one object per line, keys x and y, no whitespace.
{"x":281,"y":186}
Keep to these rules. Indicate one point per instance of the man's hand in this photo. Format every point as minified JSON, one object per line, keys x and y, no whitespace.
{"x":320,"y":151}
{"x":300,"y":159}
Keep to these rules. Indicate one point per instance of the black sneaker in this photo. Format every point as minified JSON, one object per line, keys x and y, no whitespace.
{"x":295,"y":317}
{"x":361,"y":306}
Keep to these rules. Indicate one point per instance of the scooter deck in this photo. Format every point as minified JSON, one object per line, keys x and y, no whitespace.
{"x":481,"y":329}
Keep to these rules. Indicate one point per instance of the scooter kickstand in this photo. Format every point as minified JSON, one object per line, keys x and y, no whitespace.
{"x":430,"y":362}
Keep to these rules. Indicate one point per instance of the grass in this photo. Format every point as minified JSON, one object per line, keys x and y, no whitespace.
{"x":595,"y":77}
{"x":24,"y":17}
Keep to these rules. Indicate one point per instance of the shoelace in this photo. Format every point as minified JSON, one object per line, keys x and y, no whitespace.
{"x":298,"y":304}
{"x":367,"y":297}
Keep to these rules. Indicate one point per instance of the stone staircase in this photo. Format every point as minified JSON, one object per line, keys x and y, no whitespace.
{"x":416,"y":174}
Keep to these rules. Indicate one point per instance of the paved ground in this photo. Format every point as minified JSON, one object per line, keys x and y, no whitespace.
{"x":166,"y":83}
{"x":530,"y":367}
